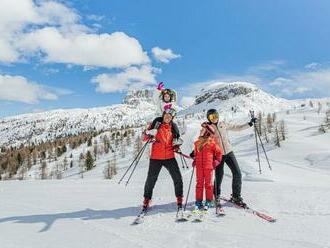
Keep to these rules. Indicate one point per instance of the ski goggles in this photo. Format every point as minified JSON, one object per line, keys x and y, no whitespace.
{"x":213,"y":117}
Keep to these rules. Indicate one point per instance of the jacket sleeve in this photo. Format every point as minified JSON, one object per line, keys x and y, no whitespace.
{"x":236,"y":127}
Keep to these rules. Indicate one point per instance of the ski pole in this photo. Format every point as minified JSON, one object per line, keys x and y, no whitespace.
{"x":255,"y":134}
{"x":136,"y":163}
{"x":262,"y":145}
{"x":185,"y":162}
{"x":182,"y":162}
{"x":216,"y":190}
{"x":192,"y":175}
{"x":182,"y":154}
{"x":136,"y":157}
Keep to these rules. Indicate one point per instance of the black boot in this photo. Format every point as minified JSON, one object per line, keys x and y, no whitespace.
{"x":238,"y":200}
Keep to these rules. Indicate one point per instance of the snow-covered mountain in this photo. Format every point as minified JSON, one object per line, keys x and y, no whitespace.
{"x":22,"y":129}
{"x":236,"y":98}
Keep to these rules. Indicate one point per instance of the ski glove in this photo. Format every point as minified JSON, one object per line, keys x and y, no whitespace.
{"x":152,"y":132}
{"x":192,"y":155}
{"x":252,"y":121}
{"x":160,"y":86}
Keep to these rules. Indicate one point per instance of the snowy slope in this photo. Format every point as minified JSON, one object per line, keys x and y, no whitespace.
{"x":98,"y":213}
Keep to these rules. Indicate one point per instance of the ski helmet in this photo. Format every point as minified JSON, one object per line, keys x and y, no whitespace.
{"x":212,"y":114}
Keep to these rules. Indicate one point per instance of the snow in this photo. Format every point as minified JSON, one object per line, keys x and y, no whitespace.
{"x":93,"y":212}
{"x":50,"y":125}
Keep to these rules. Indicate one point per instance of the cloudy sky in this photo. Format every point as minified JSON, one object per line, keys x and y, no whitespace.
{"x":68,"y":54}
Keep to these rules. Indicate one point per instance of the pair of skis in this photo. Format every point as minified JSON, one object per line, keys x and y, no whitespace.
{"x":180,"y":216}
{"x":198,"y":215}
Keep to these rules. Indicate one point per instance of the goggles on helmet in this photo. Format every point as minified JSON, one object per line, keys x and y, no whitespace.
{"x":213,"y":117}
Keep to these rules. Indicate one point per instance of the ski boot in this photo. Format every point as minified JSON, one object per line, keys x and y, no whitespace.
{"x":219,"y":211}
{"x":238,"y":200}
{"x":208,"y":204}
{"x":180,"y":214}
{"x":146,"y":204}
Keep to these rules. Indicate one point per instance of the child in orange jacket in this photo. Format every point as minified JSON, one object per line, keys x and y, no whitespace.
{"x":207,"y":155}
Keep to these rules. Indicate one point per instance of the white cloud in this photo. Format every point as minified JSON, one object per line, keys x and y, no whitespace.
{"x":17,"y":88}
{"x":280,"y":81}
{"x":52,"y":31}
{"x":96,"y":18}
{"x":315,"y":83}
{"x":116,"y":50}
{"x":164,"y":55}
{"x":132,"y":77}
{"x":312,"y":66}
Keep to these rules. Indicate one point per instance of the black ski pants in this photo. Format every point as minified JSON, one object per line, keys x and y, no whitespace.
{"x":231,"y":161}
{"x":154,"y":169}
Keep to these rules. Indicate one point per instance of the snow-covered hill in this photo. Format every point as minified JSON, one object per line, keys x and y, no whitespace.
{"x":45,"y":126}
{"x":236,"y":98}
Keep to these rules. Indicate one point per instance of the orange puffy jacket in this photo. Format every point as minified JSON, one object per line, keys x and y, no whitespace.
{"x":162,"y":148}
{"x":210,"y":152}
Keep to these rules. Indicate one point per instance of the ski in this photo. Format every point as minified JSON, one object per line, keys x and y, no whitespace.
{"x":250,"y":210}
{"x":140,"y":218}
{"x":180,"y":216}
{"x":219,"y":211}
{"x":198,"y":215}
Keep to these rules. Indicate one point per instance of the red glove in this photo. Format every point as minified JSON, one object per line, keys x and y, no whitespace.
{"x":160,"y":86}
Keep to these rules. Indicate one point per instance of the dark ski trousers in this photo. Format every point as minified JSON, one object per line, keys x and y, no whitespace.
{"x":231,"y":161}
{"x":154,"y":169}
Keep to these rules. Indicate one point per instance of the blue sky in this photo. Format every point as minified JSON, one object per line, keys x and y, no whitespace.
{"x":71,"y":54}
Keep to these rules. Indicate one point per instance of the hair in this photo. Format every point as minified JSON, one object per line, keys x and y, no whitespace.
{"x":203,"y":140}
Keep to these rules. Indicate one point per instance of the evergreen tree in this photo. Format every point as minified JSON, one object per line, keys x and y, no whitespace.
{"x":89,"y":162}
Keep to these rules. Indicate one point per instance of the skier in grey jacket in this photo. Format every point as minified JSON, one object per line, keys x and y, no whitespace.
{"x":220,"y":131}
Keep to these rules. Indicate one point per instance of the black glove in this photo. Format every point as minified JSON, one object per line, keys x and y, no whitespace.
{"x":192,"y":155}
{"x":252,"y":121}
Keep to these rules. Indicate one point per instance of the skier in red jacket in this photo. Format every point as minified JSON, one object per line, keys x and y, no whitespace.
{"x":162,"y":154}
{"x":207,"y":155}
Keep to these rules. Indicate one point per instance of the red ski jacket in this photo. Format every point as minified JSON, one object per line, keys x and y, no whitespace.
{"x":162,"y":148}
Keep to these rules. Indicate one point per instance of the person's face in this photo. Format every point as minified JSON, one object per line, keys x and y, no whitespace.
{"x":167,"y":98}
{"x":167,"y":118}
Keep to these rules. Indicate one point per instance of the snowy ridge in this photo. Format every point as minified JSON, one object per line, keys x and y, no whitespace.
{"x":236,"y":98}
{"x":60,"y":123}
